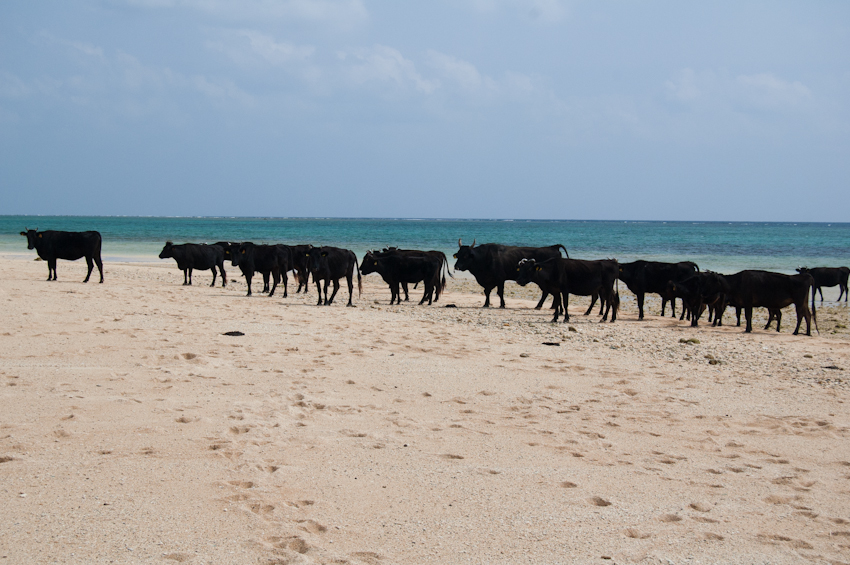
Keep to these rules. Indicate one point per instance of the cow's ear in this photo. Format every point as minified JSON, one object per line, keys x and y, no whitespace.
{"x":324,"y":253}
{"x":455,"y":255}
{"x":538,"y":268}
{"x":23,"y":233}
{"x":39,"y":235}
{"x":243,"y":252}
{"x":376,"y":262}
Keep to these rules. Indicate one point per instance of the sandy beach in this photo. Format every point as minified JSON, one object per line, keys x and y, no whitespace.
{"x":133,"y":431}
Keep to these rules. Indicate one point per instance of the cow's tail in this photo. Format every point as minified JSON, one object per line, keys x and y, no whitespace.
{"x":446,"y":265}
{"x":359,"y":280}
{"x":814,"y":313}
{"x":565,"y":250}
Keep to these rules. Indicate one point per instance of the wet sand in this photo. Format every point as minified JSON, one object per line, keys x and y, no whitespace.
{"x":133,"y":431}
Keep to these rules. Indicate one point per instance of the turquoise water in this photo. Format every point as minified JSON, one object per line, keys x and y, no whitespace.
{"x":720,"y":246}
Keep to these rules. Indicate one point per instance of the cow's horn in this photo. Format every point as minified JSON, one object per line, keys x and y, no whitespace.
{"x":473,"y":242}
{"x":459,"y":244}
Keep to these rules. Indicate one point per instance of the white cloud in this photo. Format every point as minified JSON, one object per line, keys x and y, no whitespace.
{"x":385,"y":65}
{"x":459,"y":72}
{"x":761,"y":91}
{"x":767,"y":91}
{"x":12,"y":86}
{"x":546,"y":11}
{"x":344,"y":13}
{"x":248,"y":47}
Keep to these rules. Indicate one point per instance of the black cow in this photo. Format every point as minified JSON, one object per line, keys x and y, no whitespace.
{"x":299,"y":265}
{"x":70,"y":245}
{"x":402,"y":266}
{"x":274,"y":260}
{"x":331,"y":264}
{"x":644,"y":277}
{"x":749,"y":289}
{"x":563,"y":277}
{"x":698,"y":292}
{"x":492,"y":264}
{"x":829,"y":276}
{"x":190,"y":256}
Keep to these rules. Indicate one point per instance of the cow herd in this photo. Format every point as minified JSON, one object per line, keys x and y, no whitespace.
{"x":492,"y":265}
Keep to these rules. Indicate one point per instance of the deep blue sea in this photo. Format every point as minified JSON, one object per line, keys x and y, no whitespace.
{"x":720,"y":246}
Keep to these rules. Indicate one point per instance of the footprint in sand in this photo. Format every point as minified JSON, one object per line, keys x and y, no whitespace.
{"x":635,"y":533}
{"x":669,"y":518}
{"x":312,"y":526}
{"x":701,"y":506}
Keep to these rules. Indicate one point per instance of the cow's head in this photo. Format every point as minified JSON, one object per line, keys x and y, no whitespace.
{"x":166,"y":251}
{"x":32,"y":237}
{"x":239,"y":252}
{"x":466,"y":256}
{"x":226,"y":247}
{"x":801,"y":270}
{"x":526,"y":270}
{"x":369,"y":263}
{"x":315,"y":257}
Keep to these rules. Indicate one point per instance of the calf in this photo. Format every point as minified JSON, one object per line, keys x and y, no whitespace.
{"x":191,"y":256}
{"x":70,"y":245}
{"x":331,"y":264}
{"x":700,"y":291}
{"x":563,"y":277}
{"x":829,"y":276}
{"x":749,"y":289}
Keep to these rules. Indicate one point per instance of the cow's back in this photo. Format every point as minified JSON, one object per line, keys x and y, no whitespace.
{"x":69,"y":245}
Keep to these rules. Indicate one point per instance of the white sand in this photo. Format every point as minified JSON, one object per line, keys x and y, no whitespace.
{"x":133,"y":431}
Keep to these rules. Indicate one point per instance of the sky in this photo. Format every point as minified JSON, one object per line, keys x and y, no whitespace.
{"x":540,"y":109}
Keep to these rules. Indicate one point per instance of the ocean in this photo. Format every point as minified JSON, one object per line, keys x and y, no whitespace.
{"x":724,"y":247}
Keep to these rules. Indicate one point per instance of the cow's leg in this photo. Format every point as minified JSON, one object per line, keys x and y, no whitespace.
{"x":738,"y":316}
{"x":801,"y":314}
{"x":223,"y":275}
{"x":640,"y":298}
{"x":213,"y":269}
{"x":406,"y":295}
{"x":593,"y":298}
{"x":333,"y":295}
{"x":748,"y":314}
{"x":319,"y":290}
{"x":565,"y":302}
{"x":90,"y":265}
{"x":501,"y":290}
{"x":820,"y":289}
{"x":51,"y":269}
{"x":99,"y":263}
{"x":487,"y":291}
{"x":248,"y":280}
{"x":265,"y":282}
{"x":394,"y":293}
{"x":612,"y":303}
{"x":185,"y":277}
{"x":350,"y":279}
{"x":275,"y":280}
{"x":778,"y":318}
{"x":663,"y":305}
{"x":543,"y":299}
{"x":843,"y":289}
{"x":190,"y":276}
{"x":285,"y":279}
